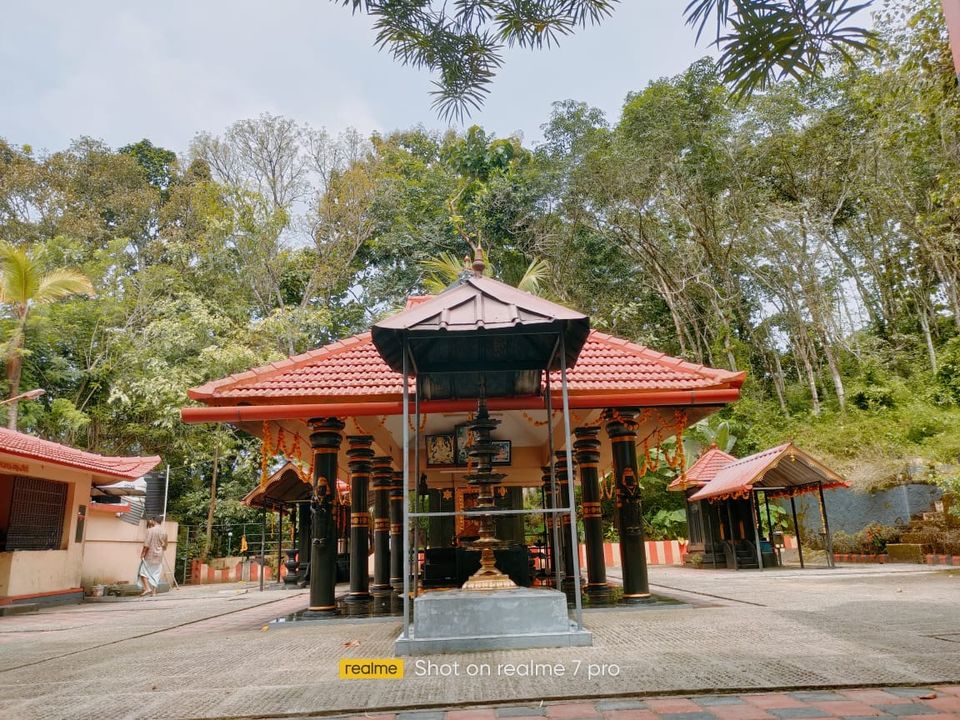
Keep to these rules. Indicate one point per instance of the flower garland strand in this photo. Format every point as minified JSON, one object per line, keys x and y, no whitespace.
{"x":292,"y":453}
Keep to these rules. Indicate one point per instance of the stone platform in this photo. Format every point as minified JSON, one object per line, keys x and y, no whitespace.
{"x":475,"y":620}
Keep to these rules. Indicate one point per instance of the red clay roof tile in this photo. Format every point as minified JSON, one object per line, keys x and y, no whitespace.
{"x":704,"y":469}
{"x":353,"y":369}
{"x":33,"y":448}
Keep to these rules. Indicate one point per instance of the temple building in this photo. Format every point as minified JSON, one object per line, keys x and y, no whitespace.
{"x":511,"y":400}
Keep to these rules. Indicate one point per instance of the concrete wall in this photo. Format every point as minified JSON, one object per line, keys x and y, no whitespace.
{"x":851,"y":511}
{"x":111,"y":552}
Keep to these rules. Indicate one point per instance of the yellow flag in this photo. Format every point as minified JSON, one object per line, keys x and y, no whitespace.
{"x":243,"y":544}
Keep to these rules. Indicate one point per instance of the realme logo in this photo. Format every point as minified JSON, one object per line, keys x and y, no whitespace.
{"x":371,"y":669}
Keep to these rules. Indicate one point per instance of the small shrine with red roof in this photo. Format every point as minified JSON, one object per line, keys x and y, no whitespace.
{"x":724,"y":512}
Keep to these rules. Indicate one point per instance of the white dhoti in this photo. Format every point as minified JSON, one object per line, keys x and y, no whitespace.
{"x":151,"y":571}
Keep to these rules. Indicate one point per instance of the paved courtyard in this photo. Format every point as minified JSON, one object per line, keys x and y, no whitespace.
{"x":207,"y":652}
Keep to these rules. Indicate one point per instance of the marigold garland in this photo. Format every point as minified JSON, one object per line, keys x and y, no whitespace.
{"x":292,"y":453}
{"x":533,"y":421}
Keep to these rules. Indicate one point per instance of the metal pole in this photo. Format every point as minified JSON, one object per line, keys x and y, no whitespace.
{"x":755,"y":516}
{"x":546,"y":540}
{"x":166,"y":491}
{"x":406,"y":485}
{"x":575,"y":549}
{"x":705,"y":512}
{"x":186,"y":555}
{"x":279,"y":543}
{"x":733,"y":542}
{"x":827,"y":540}
{"x":766,"y":502}
{"x":263,"y":543}
{"x":416,"y":493}
{"x":553,"y":485}
{"x":796,"y":529}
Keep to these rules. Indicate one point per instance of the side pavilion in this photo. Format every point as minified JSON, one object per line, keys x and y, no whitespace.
{"x":304,"y":408}
{"x":45,"y":493}
{"x":724,"y":515}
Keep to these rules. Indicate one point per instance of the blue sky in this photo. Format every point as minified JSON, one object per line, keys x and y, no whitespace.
{"x":121,"y":71}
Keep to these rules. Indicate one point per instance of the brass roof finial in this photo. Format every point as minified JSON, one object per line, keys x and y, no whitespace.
{"x":478,"y":263}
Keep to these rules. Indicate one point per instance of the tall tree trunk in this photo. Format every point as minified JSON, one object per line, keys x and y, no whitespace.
{"x":869,"y":302}
{"x":213,"y":501}
{"x":15,"y":370}
{"x":779,"y":384}
{"x":835,"y":375}
{"x":811,"y":376}
{"x":928,"y":338}
{"x":948,"y":279}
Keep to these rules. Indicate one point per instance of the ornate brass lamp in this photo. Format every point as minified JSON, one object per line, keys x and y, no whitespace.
{"x":488,"y":577}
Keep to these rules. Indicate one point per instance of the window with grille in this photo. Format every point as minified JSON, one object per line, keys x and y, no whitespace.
{"x":36,"y":514}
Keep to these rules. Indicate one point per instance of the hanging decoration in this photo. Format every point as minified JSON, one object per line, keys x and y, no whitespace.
{"x":289,"y":446}
{"x":533,"y":421}
{"x":265,"y":454}
{"x":651,"y":451}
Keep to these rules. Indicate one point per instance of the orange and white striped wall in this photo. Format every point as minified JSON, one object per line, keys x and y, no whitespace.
{"x":203,"y":574}
{"x":659,"y":552}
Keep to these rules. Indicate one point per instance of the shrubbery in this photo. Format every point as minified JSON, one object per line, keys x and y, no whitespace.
{"x":872,"y":540}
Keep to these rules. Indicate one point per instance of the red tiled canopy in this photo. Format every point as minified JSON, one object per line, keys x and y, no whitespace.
{"x":704,"y":469}
{"x":352,"y":370}
{"x":782,"y":470}
{"x":32,"y":448}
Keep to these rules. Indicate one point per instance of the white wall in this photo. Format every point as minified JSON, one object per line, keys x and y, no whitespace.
{"x":112,"y":547}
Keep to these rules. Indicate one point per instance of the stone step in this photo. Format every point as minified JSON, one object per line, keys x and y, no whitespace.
{"x":18,"y":609}
{"x":905,"y":553}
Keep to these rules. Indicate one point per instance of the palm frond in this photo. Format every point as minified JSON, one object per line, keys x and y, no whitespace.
{"x":59,"y":284}
{"x":537,"y":271}
{"x":441,"y":271}
{"x":19,"y":276}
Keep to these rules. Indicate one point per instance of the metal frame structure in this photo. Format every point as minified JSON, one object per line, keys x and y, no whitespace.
{"x":411,"y":554}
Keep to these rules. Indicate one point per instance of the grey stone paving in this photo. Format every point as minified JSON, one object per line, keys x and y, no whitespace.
{"x":204,"y":653}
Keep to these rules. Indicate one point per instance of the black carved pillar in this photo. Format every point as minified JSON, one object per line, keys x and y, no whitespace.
{"x":563,"y":500}
{"x":587,"y":447}
{"x":360,"y":454}
{"x":622,"y":430}
{"x":396,"y":532}
{"x":325,"y":441}
{"x":303,"y":543}
{"x":382,"y":480}
{"x":550,"y":503}
{"x":292,"y":565}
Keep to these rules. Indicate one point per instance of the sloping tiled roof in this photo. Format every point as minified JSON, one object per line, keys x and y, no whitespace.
{"x":33,"y":448}
{"x":785,"y":469}
{"x":609,"y":363}
{"x":353,"y":369}
{"x":704,"y":469}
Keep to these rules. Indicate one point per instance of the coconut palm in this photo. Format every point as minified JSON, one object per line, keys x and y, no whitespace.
{"x":24,"y":285}
{"x":446,"y":268}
